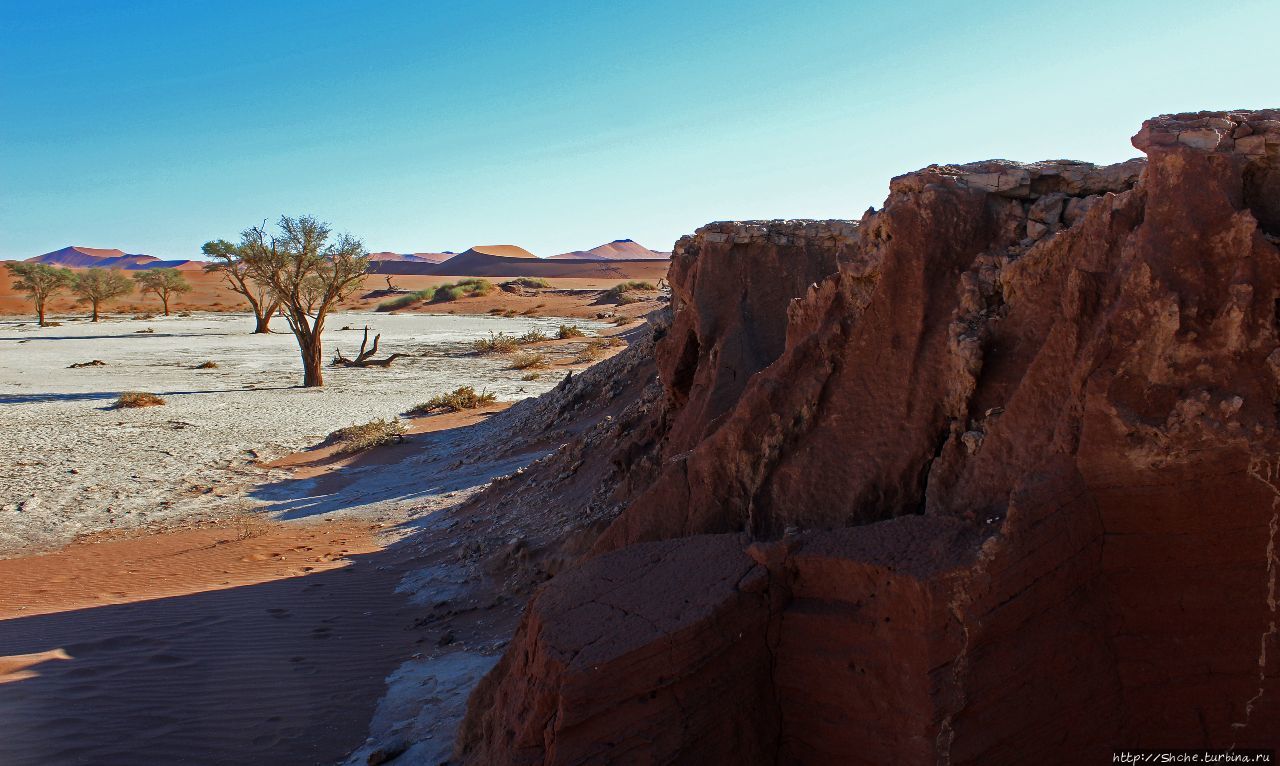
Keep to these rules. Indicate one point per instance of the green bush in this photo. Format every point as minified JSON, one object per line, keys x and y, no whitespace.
{"x":466,"y":288}
{"x":400,"y":301}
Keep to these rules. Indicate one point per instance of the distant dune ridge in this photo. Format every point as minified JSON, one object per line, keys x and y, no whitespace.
{"x":75,"y":256}
{"x":619,"y":249}
{"x":478,"y":260}
{"x":412,"y":257}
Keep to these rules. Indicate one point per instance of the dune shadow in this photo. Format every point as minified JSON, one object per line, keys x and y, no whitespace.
{"x":283,"y":672}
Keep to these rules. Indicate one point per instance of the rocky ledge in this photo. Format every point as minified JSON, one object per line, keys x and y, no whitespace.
{"x":991,"y":477}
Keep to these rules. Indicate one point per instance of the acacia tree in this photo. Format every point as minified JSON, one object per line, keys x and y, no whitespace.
{"x":308,"y":274}
{"x":227,"y":262}
{"x":39,"y":281}
{"x":164,"y":283}
{"x":98,"y":286}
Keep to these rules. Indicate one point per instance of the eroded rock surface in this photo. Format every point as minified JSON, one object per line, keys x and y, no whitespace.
{"x":990,"y":476}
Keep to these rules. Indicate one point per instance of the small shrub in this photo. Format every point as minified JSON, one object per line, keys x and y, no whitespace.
{"x":144,"y":332}
{"x":526,"y":360}
{"x":93,"y":363}
{"x":206,"y":366}
{"x":620,"y":321}
{"x":531,"y":376}
{"x":568,"y":331}
{"x":496,"y":344}
{"x":596,"y":349}
{"x":621,"y":292}
{"x":401,"y":301}
{"x":471,"y":288}
{"x":519,"y":284}
{"x":533,"y":336}
{"x":130,"y":399}
{"x":375,"y":433}
{"x":464,"y":398}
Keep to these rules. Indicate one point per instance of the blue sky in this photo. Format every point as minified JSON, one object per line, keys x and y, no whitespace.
{"x":155,"y":126}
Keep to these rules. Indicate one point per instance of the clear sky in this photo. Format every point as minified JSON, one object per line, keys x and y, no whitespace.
{"x":155,"y":126}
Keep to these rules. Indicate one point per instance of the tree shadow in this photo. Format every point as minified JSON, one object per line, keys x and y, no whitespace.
{"x":282,"y":672}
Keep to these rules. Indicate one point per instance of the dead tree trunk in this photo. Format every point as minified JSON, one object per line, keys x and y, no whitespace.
{"x":364,"y":358}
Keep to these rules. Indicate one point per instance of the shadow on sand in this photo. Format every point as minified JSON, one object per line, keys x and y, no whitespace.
{"x":283,"y":672}
{"x":417,"y":469}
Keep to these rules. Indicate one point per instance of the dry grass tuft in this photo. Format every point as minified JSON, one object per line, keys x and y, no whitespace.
{"x":130,"y":399}
{"x":206,"y":366}
{"x":596,"y":349}
{"x":500,"y":343}
{"x":533,"y":336}
{"x":528,"y":360}
{"x":568,"y":331}
{"x":375,"y":433}
{"x":463,"y":398}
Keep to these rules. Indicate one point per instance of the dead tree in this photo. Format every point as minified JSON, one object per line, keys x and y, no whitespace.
{"x":364,"y":358}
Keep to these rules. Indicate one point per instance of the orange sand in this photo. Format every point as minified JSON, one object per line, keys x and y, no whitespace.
{"x":209,"y":293}
{"x":247,"y":642}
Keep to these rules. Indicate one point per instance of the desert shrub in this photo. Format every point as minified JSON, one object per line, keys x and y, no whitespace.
{"x":130,"y":399}
{"x":620,"y":321}
{"x":93,"y":363}
{"x":533,"y":336}
{"x":375,"y":433}
{"x":466,"y":288}
{"x":526,"y":360}
{"x":500,"y":343}
{"x":531,"y":376}
{"x":520,"y":283}
{"x":620,"y":293}
{"x":447,"y":294}
{"x":568,"y":331}
{"x":144,"y":332}
{"x":463,"y":398}
{"x":206,"y":366}
{"x":596,"y":349}
{"x":401,"y":301}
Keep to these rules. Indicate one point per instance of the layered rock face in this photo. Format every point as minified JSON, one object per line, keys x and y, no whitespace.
{"x":991,"y":476}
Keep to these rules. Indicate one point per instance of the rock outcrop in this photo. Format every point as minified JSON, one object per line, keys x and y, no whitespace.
{"x":990,"y":476}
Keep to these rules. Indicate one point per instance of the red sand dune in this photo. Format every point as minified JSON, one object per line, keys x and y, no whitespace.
{"x":75,"y":256}
{"x":619,"y":249}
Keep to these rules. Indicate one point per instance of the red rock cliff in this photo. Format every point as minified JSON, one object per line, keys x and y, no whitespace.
{"x":992,"y":476}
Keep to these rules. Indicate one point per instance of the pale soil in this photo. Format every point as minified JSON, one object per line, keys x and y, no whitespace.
{"x":70,"y":465}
